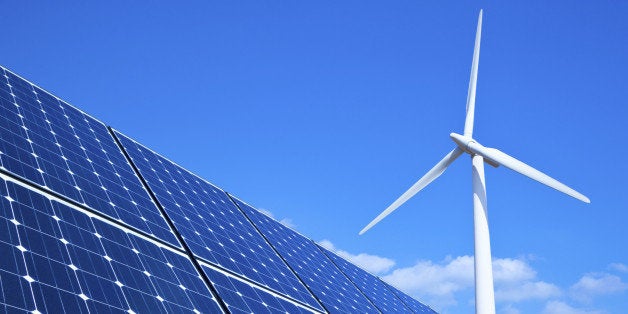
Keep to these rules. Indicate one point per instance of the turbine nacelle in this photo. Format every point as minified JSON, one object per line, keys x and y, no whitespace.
{"x":463,"y":142}
{"x":472,"y":147}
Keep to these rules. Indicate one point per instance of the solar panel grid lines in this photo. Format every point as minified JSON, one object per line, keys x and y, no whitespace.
{"x":187,"y":249}
{"x":238,"y":204}
{"x":244,"y":296}
{"x":332,"y":288}
{"x":215,"y":230}
{"x":381,"y":297}
{"x":92,"y":221}
{"x":380,"y":293}
{"x":7,"y":176}
{"x":414,"y":305}
{"x":60,"y":259}
{"x":55,"y":145}
{"x":92,"y":214}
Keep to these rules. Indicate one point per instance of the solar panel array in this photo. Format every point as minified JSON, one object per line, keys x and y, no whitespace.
{"x":92,"y":221}
{"x":382,"y":297}
{"x":57,"y":259}
{"x":57,"y":147}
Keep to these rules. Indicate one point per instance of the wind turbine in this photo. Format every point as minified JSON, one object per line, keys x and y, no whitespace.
{"x":484,"y":293}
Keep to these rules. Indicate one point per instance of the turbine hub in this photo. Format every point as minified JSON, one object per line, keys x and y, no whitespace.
{"x":471,"y":147}
{"x":463,"y":142}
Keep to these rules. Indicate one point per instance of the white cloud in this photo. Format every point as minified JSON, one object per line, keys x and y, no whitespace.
{"x":445,"y":284}
{"x":448,"y":284}
{"x":436,"y":283}
{"x":286,"y":221}
{"x":442,"y":284}
{"x":623,"y":268}
{"x":526,"y":291}
{"x":595,"y":284}
{"x":266,"y":212}
{"x":440,"y":279}
{"x":371,"y":263}
{"x":509,"y":270}
{"x":515,"y":281}
{"x":509,"y":309}
{"x":558,"y":307}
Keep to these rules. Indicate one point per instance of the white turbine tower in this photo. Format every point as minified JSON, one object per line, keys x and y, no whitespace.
{"x":484,"y":294}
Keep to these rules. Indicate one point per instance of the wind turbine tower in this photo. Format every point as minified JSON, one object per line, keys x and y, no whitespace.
{"x":484,"y":292}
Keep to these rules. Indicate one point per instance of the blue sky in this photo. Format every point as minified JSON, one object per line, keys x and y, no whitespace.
{"x":323,"y":113}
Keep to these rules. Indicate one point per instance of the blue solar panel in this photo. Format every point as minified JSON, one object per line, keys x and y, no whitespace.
{"x":82,"y":230}
{"x":57,"y":259}
{"x":56,"y":146}
{"x":414,"y":305}
{"x":243,"y":297}
{"x":212,"y":226}
{"x":378,"y":292}
{"x":327,"y":282}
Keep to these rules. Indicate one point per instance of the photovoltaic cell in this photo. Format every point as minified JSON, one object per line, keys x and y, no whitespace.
{"x":327,"y":282}
{"x":212,"y":226}
{"x":414,"y":305}
{"x":242,"y":297}
{"x":372,"y":287}
{"x":57,"y":259}
{"x":56,"y":146}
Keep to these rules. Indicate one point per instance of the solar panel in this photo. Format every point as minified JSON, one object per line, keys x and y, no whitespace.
{"x":243,"y":297}
{"x":414,"y":305}
{"x":372,"y":287}
{"x":56,"y":146}
{"x":212,"y":226}
{"x":327,"y":282}
{"x":59,"y":259}
{"x":92,"y":221}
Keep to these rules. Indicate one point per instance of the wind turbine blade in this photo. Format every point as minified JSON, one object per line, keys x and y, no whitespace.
{"x":430,"y":176}
{"x":468,"y":123}
{"x":518,"y":166}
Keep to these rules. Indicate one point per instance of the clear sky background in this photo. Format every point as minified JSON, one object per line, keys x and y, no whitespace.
{"x":324,"y":112}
